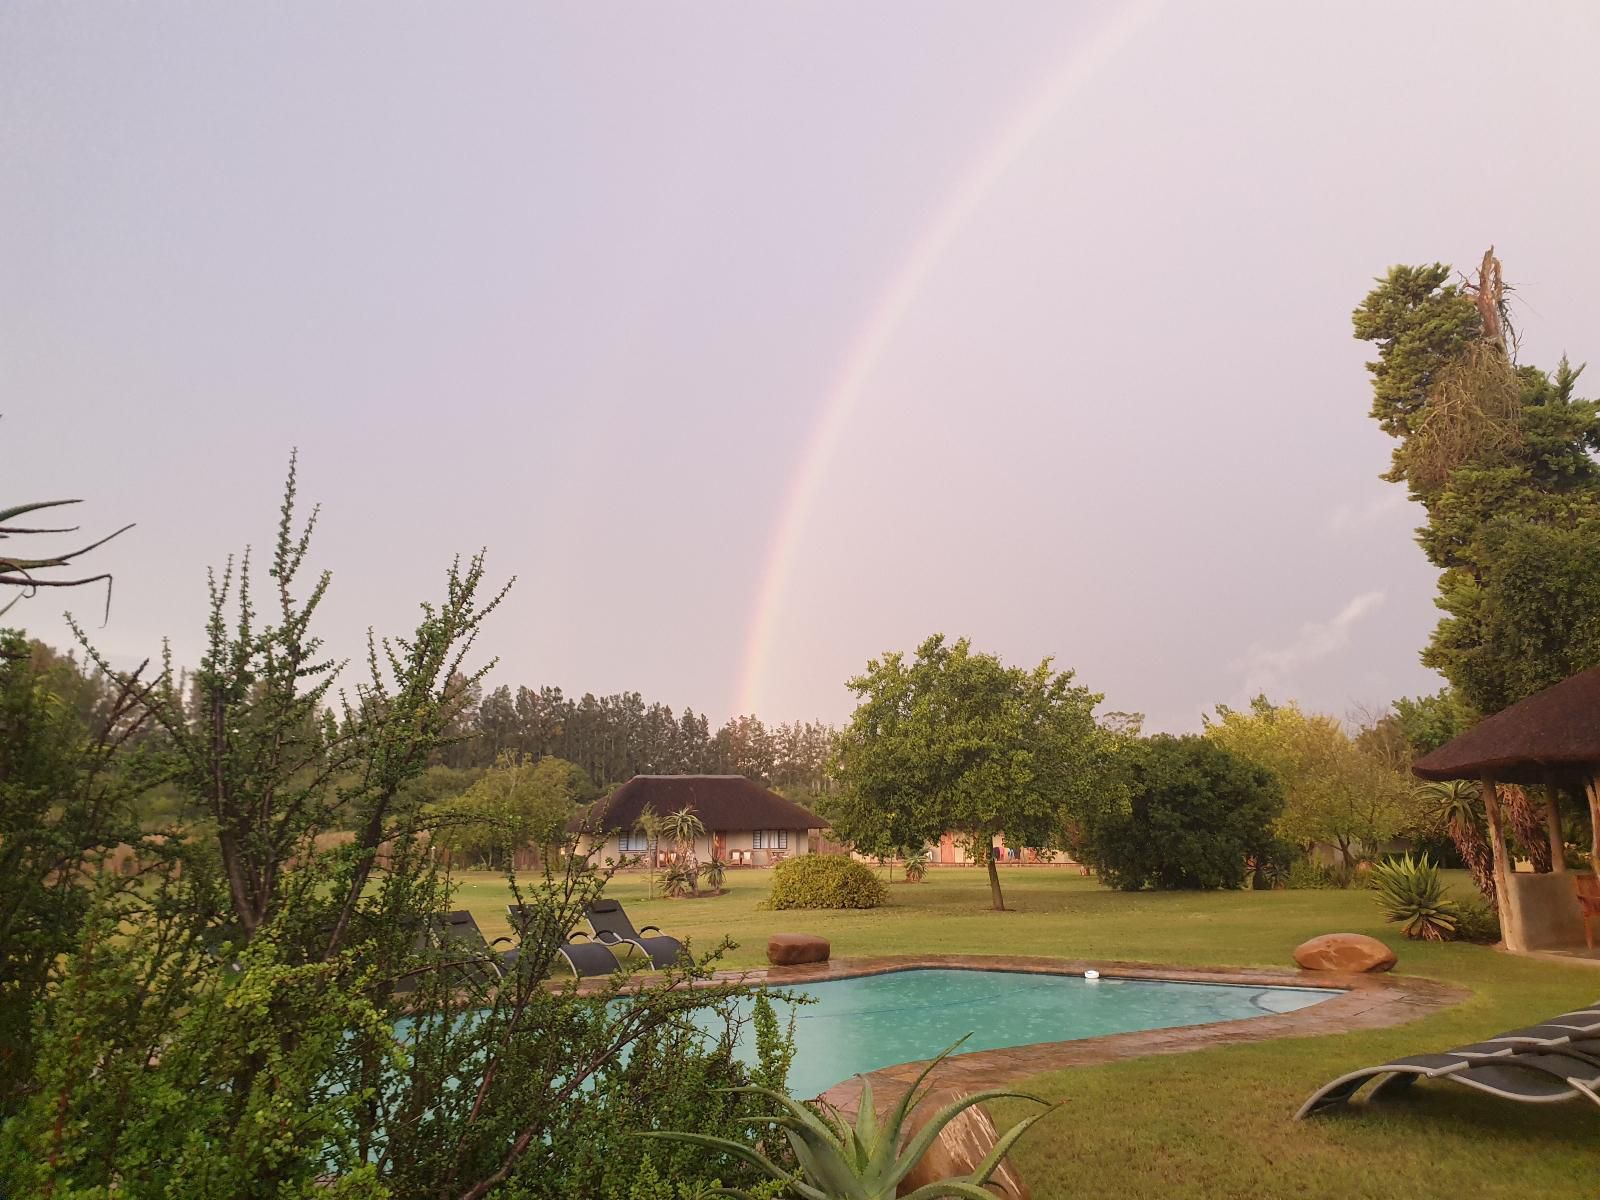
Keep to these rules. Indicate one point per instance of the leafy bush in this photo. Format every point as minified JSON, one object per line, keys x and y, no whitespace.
{"x":825,"y":881}
{"x":1195,"y":815}
{"x":1411,"y":894}
{"x":1306,"y":875}
{"x":681,"y":878}
{"x":714,"y":872}
{"x":1478,"y":921}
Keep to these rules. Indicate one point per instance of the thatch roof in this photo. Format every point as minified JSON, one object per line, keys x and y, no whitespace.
{"x":722,"y":802}
{"x":1553,"y":732}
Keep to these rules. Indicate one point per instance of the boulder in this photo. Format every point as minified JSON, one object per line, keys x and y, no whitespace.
{"x":959,"y":1148}
{"x":1352,"y":952}
{"x":791,"y":949}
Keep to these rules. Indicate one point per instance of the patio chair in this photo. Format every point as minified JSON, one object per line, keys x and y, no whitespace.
{"x":586,"y":958}
{"x":1553,"y":1061}
{"x":611,"y":926}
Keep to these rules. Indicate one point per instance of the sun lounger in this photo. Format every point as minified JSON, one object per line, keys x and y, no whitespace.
{"x":458,"y":932}
{"x":611,"y":925}
{"x":1553,"y":1061}
{"x":586,"y":958}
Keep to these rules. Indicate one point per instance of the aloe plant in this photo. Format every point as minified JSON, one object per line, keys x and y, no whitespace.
{"x":863,"y":1160}
{"x":1411,"y":893}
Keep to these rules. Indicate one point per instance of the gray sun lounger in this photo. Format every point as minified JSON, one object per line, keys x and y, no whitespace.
{"x":586,"y":958}
{"x":458,"y":931}
{"x":1553,"y":1061}
{"x":611,"y":925}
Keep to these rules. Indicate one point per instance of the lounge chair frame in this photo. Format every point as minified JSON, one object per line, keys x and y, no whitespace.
{"x":1554,"y":1061}
{"x":610,"y":924}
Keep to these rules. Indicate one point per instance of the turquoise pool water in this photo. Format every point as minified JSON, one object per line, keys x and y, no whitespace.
{"x":878,"y":1020}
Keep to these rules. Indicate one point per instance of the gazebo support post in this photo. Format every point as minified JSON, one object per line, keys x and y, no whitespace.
{"x":1591,"y":787}
{"x":1497,"y":848}
{"x":1552,"y":823}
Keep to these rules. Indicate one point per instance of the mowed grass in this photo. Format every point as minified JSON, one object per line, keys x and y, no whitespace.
{"x":1215,"y":1123}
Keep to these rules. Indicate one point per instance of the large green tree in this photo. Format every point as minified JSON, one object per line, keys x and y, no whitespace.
{"x":957,"y":741}
{"x":1335,"y":792}
{"x":1194,"y":814}
{"x":1501,"y":455}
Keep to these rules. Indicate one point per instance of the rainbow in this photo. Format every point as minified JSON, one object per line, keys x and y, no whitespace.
{"x":1078,"y":66}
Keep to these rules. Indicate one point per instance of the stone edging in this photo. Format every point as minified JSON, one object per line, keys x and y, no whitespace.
{"x":1368,"y":1002}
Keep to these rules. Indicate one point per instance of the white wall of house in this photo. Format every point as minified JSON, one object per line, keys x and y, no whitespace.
{"x":744,"y":847}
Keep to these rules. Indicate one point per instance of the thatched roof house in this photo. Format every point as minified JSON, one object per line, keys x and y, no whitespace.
{"x":1551,"y":737}
{"x":745,"y":822}
{"x":1555,"y":732}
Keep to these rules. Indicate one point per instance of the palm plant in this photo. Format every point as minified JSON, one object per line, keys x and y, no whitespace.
{"x":648,"y":823}
{"x":713,"y":873}
{"x":683,"y":827}
{"x":1457,"y":805}
{"x":1411,"y":893}
{"x":863,"y":1160}
{"x":916,"y":864}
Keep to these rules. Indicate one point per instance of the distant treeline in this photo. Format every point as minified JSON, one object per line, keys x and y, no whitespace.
{"x":614,"y":738}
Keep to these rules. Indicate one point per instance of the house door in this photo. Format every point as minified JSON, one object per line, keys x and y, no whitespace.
{"x":719,"y":846}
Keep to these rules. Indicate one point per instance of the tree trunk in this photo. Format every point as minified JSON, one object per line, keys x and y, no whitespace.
{"x":1497,"y":847}
{"x":1529,"y":826}
{"x":1552,"y":817}
{"x":1474,"y":851}
{"x":998,"y":902}
{"x":1592,"y":788}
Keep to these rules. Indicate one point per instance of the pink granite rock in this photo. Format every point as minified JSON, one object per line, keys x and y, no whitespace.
{"x":1352,"y":952}
{"x":790,"y":949}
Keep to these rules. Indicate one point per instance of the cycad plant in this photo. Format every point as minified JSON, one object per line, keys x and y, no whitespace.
{"x":863,"y":1160}
{"x":1411,"y":894}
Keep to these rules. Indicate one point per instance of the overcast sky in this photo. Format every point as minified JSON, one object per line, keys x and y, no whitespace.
{"x":756,"y":339}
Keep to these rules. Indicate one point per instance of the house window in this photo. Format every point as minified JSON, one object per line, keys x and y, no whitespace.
{"x":633,"y":843}
{"x":783,"y":839}
{"x":757,"y":840}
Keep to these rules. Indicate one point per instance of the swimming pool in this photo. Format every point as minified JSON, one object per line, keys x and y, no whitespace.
{"x":873,"y":1021}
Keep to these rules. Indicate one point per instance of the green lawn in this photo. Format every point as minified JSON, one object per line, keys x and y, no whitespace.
{"x":1214,"y":1123}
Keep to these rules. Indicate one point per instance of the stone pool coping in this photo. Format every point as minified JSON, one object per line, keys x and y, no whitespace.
{"x":1367,"y":1002}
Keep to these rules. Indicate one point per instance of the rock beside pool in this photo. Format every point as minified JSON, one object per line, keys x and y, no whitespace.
{"x":959,"y":1148}
{"x":1353,"y":952}
{"x":792,"y":949}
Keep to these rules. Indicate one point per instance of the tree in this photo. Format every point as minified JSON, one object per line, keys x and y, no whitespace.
{"x":956,"y":741}
{"x":649,"y":824}
{"x":1456,"y":806}
{"x":1334,"y":792}
{"x":1428,"y":722}
{"x":1195,"y":812}
{"x":1501,"y":456}
{"x":232,"y":1025}
{"x":683,"y":827}
{"x":517,"y":805}
{"x":67,"y":789}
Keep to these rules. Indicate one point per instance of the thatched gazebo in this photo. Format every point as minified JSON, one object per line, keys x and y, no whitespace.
{"x":1550,"y":738}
